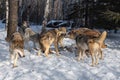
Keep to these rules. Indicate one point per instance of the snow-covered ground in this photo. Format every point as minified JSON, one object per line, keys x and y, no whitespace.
{"x":64,"y":67}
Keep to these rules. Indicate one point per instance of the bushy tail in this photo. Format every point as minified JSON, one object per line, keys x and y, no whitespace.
{"x":102,"y":37}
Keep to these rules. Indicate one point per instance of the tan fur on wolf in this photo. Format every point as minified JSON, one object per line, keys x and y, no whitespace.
{"x":95,"y":46}
{"x":49,"y":37}
{"x":62,"y":36}
{"x":85,"y":31}
{"x":16,"y":47}
{"x":102,"y":38}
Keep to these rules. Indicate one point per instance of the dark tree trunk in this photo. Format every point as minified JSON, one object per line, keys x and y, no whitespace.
{"x":13,"y":18}
{"x":86,"y":13}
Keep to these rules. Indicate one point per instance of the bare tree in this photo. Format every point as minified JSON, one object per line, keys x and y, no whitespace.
{"x":12,"y":20}
{"x":47,"y":9}
{"x":7,"y":13}
{"x":46,"y":14}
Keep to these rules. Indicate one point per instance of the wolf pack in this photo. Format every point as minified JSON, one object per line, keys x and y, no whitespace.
{"x":89,"y":42}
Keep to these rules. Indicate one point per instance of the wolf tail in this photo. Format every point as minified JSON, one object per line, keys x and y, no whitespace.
{"x":102,"y":37}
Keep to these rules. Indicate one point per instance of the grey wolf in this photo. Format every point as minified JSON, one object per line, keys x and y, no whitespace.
{"x":16,"y":47}
{"x":30,"y":35}
{"x":85,"y":31}
{"x":22,"y":28}
{"x":47,"y":38}
{"x":82,"y":46}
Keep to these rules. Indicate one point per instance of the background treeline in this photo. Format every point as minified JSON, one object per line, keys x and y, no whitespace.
{"x":88,"y":13}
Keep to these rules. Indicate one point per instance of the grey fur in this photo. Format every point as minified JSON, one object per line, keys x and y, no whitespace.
{"x":82,"y":46}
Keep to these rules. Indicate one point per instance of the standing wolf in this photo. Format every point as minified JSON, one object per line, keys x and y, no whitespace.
{"x":85,"y":31}
{"x":92,"y":45}
{"x":16,"y":47}
{"x":82,"y":46}
{"x":47,"y":38}
{"x":28,"y":35}
{"x":95,"y":46}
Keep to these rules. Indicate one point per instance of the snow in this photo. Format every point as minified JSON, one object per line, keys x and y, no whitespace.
{"x":64,"y":67}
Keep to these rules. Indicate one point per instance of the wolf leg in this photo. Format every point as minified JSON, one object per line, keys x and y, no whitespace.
{"x":61,"y":43}
{"x":47,"y":50}
{"x":15,"y":59}
{"x":96,"y":58}
{"x":11,"y":57}
{"x":82,"y":55}
{"x":79,"y":55}
{"x":101,"y":54}
{"x":23,"y":54}
{"x":39,"y":52}
{"x":27,"y":46}
{"x":93,"y":60}
{"x":56,"y":48}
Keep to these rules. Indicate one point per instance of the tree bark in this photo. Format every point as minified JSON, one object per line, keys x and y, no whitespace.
{"x":46,"y":14}
{"x":58,"y":14}
{"x":13,"y":18}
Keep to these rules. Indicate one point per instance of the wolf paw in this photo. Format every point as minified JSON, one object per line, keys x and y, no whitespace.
{"x":96,"y":63}
{"x":101,"y":58}
{"x":23,"y":55}
{"x":58,"y":54}
{"x":92,"y":65}
{"x":77,"y":59}
{"x":14,"y":66}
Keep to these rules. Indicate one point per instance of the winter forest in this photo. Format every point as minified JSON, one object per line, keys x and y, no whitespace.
{"x":88,"y":13}
{"x":59,"y":39}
